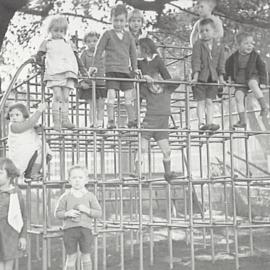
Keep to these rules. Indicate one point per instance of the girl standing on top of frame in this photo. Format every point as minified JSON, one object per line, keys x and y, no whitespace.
{"x":120,"y":52}
{"x":12,"y":216}
{"x":205,"y":10}
{"x":85,"y":87}
{"x":62,"y":64}
{"x":245,"y":66}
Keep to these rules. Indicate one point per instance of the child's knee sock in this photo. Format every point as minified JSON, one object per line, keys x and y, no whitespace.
{"x":242,"y":117}
{"x":56,"y":113}
{"x":87,"y":265}
{"x":110,"y":111}
{"x":35,"y":169}
{"x":262,"y":103}
{"x":167,"y":166}
{"x":130,"y":112}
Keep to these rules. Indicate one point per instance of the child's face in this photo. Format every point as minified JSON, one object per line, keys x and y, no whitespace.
{"x":204,"y":9}
{"x":119,"y":22}
{"x":78,"y":179}
{"x":16,"y":116}
{"x":135,"y":24}
{"x":247,"y":45}
{"x":58,"y":32}
{"x":207,"y":32}
{"x":4,"y":179}
{"x":91,"y":43}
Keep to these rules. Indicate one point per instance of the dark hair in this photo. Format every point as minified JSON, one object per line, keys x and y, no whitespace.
{"x":241,"y":36}
{"x":119,"y":9}
{"x":78,"y":167}
{"x":90,"y":34}
{"x":207,"y":21}
{"x":19,"y":106}
{"x":9,"y":166}
{"x":148,"y":45}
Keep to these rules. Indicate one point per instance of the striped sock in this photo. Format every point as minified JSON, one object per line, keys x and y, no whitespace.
{"x":87,"y":265}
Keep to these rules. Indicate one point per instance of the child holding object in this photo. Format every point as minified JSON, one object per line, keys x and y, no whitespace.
{"x":120,"y":52}
{"x":205,"y":10}
{"x":12,"y":216}
{"x":62,"y":64}
{"x":77,"y":208}
{"x":85,"y":86}
{"x":208,"y":66}
{"x":158,"y":103}
{"x":246,"y":66}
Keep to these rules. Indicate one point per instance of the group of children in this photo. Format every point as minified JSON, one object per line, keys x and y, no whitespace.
{"x":127,"y":52}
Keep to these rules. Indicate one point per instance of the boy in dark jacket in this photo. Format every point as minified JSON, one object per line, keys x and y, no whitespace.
{"x":245,"y":66}
{"x":208,"y":66}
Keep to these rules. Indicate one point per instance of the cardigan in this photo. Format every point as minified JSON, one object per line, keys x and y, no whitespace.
{"x":255,"y":67}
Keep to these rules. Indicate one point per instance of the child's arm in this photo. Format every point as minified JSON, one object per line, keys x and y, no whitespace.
{"x":94,"y":210}
{"x":262,"y":70}
{"x":20,"y":127}
{"x":194,"y":33}
{"x":133,"y":54}
{"x":80,"y":65}
{"x":23,"y":233}
{"x":100,"y":47}
{"x":196,"y":61}
{"x":41,"y":53}
{"x":163,"y":71}
{"x":221,"y":66}
{"x":219,"y":27}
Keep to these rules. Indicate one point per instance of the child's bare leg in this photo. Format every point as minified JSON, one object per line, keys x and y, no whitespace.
{"x":255,"y":88}
{"x":8,"y":265}
{"x":240,"y":97}
{"x":65,"y":119}
{"x":57,"y":107}
{"x":86,"y":261}
{"x":129,"y":97}
{"x":201,"y":111}
{"x":100,"y":111}
{"x":70,"y":261}
{"x":91,"y":115}
{"x":35,"y":172}
{"x":166,"y":151}
{"x":144,"y":149}
{"x":110,"y":107}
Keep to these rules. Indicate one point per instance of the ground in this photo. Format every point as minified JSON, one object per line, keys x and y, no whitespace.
{"x":260,"y":260}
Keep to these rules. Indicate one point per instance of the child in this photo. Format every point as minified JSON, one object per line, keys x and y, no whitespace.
{"x":61,"y":69}
{"x":90,"y":40}
{"x":208,"y":66}
{"x":135,"y":24}
{"x":245,"y":66}
{"x":158,"y":102}
{"x":12,"y":216}
{"x":205,"y":9}
{"x":120,"y":52}
{"x":23,"y":140}
{"x":77,"y":207}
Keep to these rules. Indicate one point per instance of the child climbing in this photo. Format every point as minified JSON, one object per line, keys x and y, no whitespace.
{"x":23,"y":139}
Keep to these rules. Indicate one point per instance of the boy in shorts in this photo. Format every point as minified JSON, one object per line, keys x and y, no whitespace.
{"x":120,"y":52}
{"x":245,"y":66}
{"x":85,"y":86}
{"x":158,"y":103}
{"x":77,"y":207}
{"x":208,"y":66}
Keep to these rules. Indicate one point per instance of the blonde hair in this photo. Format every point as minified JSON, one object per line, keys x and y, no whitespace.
{"x":135,"y":13}
{"x":211,"y":3}
{"x":59,"y":22}
{"x":77,"y":167}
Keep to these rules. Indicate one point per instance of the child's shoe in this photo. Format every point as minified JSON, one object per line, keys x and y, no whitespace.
{"x":213,"y":127}
{"x":240,"y":124}
{"x":67,"y":124}
{"x":111,"y":124}
{"x":202,"y":128}
{"x":170,"y":176}
{"x":132,"y":124}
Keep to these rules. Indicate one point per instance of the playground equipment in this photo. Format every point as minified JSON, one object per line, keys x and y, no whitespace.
{"x":129,"y":203}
